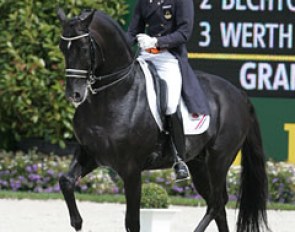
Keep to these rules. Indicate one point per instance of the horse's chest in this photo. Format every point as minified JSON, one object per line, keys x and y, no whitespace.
{"x":90,"y":134}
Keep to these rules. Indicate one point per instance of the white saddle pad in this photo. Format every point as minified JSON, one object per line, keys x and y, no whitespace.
{"x":191,"y":126}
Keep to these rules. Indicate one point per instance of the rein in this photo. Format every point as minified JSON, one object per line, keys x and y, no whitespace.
{"x":90,"y":76}
{"x":125,"y":72}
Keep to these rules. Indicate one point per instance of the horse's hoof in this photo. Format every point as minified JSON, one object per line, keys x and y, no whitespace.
{"x":78,"y":228}
{"x":77,"y":225}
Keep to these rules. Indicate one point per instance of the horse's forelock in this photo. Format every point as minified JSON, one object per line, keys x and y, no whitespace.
{"x":74,"y":27}
{"x":76,"y":24}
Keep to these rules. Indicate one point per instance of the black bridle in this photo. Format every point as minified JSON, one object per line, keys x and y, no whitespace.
{"x":89,"y":75}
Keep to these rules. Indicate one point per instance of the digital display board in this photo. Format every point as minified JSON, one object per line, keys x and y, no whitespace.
{"x":248,"y":42}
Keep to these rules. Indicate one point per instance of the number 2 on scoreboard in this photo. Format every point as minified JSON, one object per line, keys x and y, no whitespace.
{"x":205,"y":5}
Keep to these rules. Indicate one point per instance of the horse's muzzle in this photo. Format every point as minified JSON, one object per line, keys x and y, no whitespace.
{"x":75,"y":97}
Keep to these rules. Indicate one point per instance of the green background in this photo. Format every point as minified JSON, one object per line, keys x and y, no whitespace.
{"x":273,"y":113}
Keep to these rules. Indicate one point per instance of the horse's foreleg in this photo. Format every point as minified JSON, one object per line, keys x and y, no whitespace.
{"x":81,"y":165}
{"x":67,"y":184}
{"x":132,"y":185}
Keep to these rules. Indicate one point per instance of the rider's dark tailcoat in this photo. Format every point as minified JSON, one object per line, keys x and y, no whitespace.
{"x":171,"y":21}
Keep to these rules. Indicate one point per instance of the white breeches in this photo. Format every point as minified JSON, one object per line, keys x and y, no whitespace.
{"x":168,"y":69}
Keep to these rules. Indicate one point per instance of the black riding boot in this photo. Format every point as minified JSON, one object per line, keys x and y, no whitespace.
{"x":175,"y":129}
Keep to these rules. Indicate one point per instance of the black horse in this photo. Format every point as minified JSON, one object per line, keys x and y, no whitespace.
{"x":115,"y":128}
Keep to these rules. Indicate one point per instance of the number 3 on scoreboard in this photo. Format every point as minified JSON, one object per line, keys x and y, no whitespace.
{"x":205,"y":5}
{"x":205,"y":33}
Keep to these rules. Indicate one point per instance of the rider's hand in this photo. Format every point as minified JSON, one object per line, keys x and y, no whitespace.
{"x":146,"y":41}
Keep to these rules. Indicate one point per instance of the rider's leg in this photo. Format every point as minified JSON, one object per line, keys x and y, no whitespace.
{"x":168,"y":69}
{"x":175,"y":129}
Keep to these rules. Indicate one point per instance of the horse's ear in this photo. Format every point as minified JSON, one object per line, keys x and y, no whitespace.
{"x":86,"y":17}
{"x":61,"y":15}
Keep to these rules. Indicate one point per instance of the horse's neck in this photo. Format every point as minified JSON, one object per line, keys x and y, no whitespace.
{"x":126,"y":94}
{"x":116,"y":91}
{"x":116,"y":51}
{"x":116,"y":57}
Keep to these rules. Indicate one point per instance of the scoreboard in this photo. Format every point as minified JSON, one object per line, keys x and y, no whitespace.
{"x":248,"y":42}
{"x":251,"y":44}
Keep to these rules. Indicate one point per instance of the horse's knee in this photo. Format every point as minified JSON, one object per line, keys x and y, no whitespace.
{"x":66,"y":183}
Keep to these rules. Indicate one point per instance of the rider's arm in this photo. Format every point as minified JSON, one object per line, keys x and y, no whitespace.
{"x":184,"y":26}
{"x":137,"y":24}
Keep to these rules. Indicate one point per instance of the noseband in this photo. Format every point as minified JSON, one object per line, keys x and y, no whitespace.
{"x":89,"y":75}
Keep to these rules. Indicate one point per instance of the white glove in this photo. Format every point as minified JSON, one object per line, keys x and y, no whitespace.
{"x":146,"y":41}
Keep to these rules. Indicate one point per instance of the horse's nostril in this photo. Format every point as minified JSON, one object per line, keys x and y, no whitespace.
{"x":77,"y":96}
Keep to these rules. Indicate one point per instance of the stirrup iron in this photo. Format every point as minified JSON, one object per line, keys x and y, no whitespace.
{"x":181,"y":170}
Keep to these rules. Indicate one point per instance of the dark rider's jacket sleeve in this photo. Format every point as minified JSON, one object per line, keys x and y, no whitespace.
{"x":137,"y":24}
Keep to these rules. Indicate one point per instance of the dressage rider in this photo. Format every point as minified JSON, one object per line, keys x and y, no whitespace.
{"x":162,"y":28}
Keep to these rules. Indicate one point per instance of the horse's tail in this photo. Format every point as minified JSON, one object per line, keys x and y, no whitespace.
{"x":254,"y":187}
